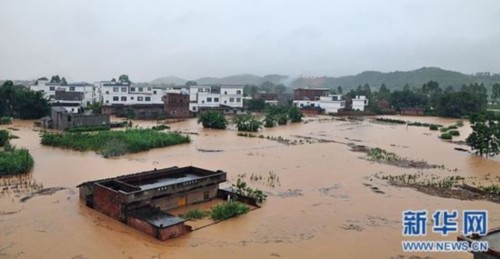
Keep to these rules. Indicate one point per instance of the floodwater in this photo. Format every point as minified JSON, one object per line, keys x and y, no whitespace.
{"x":320,"y":208}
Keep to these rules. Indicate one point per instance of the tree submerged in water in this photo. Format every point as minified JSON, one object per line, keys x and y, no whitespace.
{"x":485,"y":138}
{"x":212,"y":120}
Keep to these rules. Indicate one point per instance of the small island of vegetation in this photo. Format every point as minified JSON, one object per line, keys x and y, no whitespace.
{"x":13,"y":160}
{"x":114,"y":143}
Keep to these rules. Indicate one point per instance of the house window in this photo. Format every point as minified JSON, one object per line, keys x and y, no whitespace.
{"x":131,"y":98}
{"x":72,"y":88}
{"x":149,"y":88}
{"x":216,"y":99}
{"x":124,"y":89}
{"x":124,"y":98}
{"x":238,"y":100}
{"x":132,"y":89}
{"x":194,"y":108}
{"x":140,"y":89}
{"x":225,"y":92}
{"x":52,"y":88}
{"x":209,"y":99}
{"x":115,"y":98}
{"x":107,"y":101}
{"x":148,"y":99}
{"x":206,"y":195}
{"x":107,"y":92}
{"x":238,"y":92}
{"x":231,"y":100}
{"x":225,"y":101}
{"x":115,"y":89}
{"x":154,"y":92}
{"x":140,"y":99}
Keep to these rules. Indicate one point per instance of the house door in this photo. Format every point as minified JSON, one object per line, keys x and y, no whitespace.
{"x":181,"y":201}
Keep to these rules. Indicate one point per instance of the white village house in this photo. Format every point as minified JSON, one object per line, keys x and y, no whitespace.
{"x":227,"y":98}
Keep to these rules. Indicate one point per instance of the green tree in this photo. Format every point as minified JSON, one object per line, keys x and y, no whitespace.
{"x":63,"y":81}
{"x":55,"y":79}
{"x":495,"y":92}
{"x":384,"y":92}
{"x":247,"y":123}
{"x":255,"y":104}
{"x":212,"y":120}
{"x":124,"y":79}
{"x":191,"y":83}
{"x":20,"y":102}
{"x":485,"y":138}
{"x":339,"y":90}
{"x":295,"y":114}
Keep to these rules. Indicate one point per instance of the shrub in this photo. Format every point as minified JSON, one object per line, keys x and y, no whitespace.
{"x":282,"y":119}
{"x":452,"y":127}
{"x":160,"y":127}
{"x":213,"y":120}
{"x":443,"y":129}
{"x":433,"y":127}
{"x":4,"y":137}
{"x":460,"y":123}
{"x":247,"y":123}
{"x":194,"y":214}
{"x":295,"y":114}
{"x":454,"y":132}
{"x":269,"y":121}
{"x":228,"y":210}
{"x":446,"y":136}
{"x":5,"y":120}
{"x":15,"y":161}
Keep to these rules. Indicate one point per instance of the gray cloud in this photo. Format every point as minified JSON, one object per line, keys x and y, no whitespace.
{"x":92,"y":40}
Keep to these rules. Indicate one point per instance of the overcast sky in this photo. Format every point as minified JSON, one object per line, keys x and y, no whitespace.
{"x":97,"y":39}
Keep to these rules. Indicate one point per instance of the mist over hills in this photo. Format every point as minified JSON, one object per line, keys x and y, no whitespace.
{"x":393,"y":80}
{"x":396,"y":80}
{"x":240,"y":79}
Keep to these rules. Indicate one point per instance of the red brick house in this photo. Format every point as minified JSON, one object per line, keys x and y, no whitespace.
{"x":176,"y":105}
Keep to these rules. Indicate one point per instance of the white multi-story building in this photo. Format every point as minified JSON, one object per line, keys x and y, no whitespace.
{"x":90,"y":92}
{"x":330,"y":103}
{"x":359,"y":103}
{"x":123,"y":93}
{"x":230,"y":98}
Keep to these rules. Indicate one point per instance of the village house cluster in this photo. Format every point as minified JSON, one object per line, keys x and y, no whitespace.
{"x":144,"y":101}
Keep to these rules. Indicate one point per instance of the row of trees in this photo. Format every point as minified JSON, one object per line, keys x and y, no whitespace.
{"x":468,"y":100}
{"x":19,"y":102}
{"x":280,"y":115}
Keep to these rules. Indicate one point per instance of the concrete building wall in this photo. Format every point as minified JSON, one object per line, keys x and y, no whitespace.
{"x":173,"y":231}
{"x":176,"y":105}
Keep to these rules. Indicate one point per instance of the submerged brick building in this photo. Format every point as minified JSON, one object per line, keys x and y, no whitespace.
{"x":141,"y":200}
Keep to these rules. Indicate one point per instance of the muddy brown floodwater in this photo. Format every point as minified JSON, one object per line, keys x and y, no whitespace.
{"x":323,"y":206}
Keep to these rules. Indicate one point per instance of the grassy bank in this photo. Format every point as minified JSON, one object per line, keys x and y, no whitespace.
{"x":114,"y":143}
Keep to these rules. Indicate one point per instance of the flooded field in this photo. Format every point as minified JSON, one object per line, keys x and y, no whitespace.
{"x":327,"y":203}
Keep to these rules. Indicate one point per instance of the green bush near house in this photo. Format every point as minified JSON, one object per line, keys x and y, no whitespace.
{"x":454,"y":132}
{"x":247,"y":123}
{"x":446,"y":136}
{"x":195,"y":214}
{"x":433,"y":127}
{"x":228,"y":210}
{"x":114,"y":143}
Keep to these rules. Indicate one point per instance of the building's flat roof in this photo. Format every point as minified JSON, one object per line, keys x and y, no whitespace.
{"x":156,"y":217}
{"x":157,"y":178}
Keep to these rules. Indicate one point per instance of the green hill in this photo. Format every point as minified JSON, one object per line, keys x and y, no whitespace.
{"x":396,"y":80}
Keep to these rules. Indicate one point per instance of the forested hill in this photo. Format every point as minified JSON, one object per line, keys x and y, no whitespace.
{"x":397,"y":80}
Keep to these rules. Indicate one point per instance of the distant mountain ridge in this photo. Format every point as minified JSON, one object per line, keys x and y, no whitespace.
{"x":240,"y":79}
{"x":397,"y":80}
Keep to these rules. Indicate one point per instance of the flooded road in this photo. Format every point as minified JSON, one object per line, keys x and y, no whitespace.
{"x":321,"y":208}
